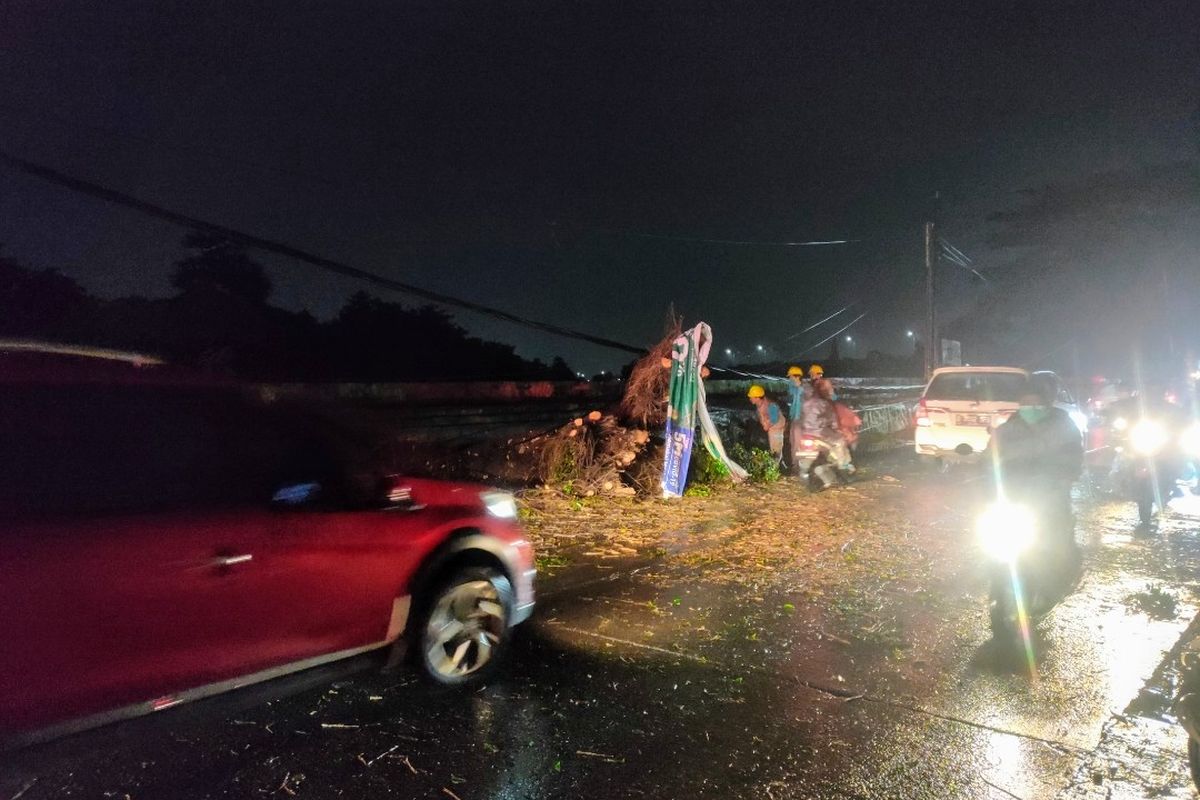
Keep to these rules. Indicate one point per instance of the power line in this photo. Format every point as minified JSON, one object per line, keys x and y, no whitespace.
{"x":834,"y":334}
{"x":956,"y":251}
{"x":958,"y":258}
{"x":279,"y":248}
{"x":704,"y":240}
{"x":818,"y":324}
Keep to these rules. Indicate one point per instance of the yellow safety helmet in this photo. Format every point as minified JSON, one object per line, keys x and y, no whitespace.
{"x":816,"y":370}
{"x":794,"y":372}
{"x":756,"y":391}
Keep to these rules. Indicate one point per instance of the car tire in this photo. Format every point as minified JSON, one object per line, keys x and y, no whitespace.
{"x":463,"y":631}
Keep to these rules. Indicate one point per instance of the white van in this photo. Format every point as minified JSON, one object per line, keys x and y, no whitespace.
{"x":961,"y":406}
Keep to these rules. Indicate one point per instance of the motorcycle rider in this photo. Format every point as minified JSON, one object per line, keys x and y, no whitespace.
{"x":1036,"y":455}
{"x":1169,"y":462}
{"x":819,"y":422}
{"x":816,"y":374}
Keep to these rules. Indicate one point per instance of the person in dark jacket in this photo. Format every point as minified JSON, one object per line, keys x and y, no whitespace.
{"x":1036,"y":455}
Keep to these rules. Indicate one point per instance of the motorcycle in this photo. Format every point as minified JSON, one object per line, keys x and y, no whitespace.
{"x":1033,"y":562}
{"x":1187,"y":709}
{"x":814,"y":465}
{"x":1149,"y":457}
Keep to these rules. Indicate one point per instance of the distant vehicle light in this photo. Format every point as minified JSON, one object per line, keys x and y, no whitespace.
{"x":1120,"y":424}
{"x":1148,"y":437}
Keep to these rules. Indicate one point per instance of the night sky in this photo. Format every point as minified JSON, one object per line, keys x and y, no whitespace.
{"x":564,"y":160}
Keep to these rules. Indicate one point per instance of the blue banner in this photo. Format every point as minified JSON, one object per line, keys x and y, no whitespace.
{"x":676,"y":460}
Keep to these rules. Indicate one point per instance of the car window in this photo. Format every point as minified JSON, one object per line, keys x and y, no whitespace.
{"x":78,"y":450}
{"x":977,"y":386}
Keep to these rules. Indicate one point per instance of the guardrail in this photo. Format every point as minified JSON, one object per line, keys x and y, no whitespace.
{"x":466,"y":412}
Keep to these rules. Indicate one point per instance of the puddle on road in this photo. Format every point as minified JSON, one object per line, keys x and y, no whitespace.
{"x":689,"y":537}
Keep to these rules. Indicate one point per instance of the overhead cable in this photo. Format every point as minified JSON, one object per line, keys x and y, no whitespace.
{"x":818,"y":324}
{"x":280,"y":248}
{"x":834,"y":335}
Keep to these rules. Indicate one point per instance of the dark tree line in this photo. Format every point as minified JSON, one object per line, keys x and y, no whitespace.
{"x":220,"y":320}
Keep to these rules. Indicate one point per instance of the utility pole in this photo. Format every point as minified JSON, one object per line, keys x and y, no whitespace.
{"x":931,"y":341}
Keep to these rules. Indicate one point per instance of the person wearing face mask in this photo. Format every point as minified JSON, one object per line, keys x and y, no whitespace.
{"x":1036,"y":455}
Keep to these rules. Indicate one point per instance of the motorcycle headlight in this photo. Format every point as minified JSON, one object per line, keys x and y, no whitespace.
{"x":1191,"y":440}
{"x":1148,"y":437}
{"x":1006,"y":530}
{"x":500,"y":504}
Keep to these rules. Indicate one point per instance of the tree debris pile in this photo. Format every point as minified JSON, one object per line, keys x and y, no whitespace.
{"x":614,"y":454}
{"x":644,"y":403}
{"x":592,"y":455}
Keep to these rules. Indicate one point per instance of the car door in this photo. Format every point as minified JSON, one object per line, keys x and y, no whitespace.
{"x":124,"y":576}
{"x":329,"y":576}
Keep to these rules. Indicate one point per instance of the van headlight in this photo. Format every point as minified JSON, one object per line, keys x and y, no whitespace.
{"x":1148,"y":437}
{"x":1006,"y":530}
{"x":500,"y":504}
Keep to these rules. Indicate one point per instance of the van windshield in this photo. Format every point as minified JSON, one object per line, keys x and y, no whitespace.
{"x":980,"y":387}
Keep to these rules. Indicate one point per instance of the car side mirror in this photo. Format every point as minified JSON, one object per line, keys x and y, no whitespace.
{"x":297,"y":495}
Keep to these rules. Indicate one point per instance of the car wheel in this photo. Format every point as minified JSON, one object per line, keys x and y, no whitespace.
{"x":464,"y":630}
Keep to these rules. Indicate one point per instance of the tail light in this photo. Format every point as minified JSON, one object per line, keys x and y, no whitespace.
{"x":921,"y":417}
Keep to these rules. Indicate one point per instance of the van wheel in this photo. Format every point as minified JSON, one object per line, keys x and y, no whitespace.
{"x":464,"y":631}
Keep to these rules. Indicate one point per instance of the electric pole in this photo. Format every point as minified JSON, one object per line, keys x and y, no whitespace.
{"x":931,"y":359}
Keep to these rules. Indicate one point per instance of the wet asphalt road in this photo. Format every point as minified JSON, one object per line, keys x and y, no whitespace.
{"x":621,"y":687}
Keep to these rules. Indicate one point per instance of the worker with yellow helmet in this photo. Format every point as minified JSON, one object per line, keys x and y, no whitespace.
{"x":772,"y":420}
{"x":816,"y":377}
{"x":797,"y":391}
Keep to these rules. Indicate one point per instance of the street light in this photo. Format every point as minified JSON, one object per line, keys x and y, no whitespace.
{"x":758,"y":347}
{"x":910,"y":334}
{"x":728,"y":351}
{"x":849,"y":338}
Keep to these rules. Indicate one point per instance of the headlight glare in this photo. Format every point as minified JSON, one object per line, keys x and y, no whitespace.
{"x":1006,"y":530}
{"x":1148,"y":437}
{"x":500,"y":504}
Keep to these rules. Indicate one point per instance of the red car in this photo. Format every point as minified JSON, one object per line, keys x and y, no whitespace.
{"x":163,"y":539}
